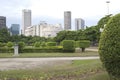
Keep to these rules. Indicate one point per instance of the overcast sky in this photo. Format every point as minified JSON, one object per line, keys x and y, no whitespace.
{"x":52,"y":11}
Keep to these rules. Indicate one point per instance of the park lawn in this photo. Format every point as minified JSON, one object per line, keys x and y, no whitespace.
{"x":37,"y":55}
{"x":76,"y":70}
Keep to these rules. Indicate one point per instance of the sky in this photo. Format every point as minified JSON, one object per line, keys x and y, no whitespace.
{"x":52,"y":11}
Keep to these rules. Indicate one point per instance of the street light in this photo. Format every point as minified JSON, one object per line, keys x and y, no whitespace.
{"x":108,"y":7}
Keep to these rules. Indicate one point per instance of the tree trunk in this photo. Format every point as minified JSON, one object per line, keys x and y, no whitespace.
{"x":83,"y":49}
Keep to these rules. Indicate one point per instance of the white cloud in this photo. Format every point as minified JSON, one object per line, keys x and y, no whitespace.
{"x":90,"y":10}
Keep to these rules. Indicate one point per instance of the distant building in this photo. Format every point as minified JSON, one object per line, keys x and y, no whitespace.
{"x":43,"y":30}
{"x":15,"y":29}
{"x":2,"y":22}
{"x":26,"y":19}
{"x":79,"y":24}
{"x":67,"y":20}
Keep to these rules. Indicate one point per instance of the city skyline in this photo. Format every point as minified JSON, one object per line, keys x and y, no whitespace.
{"x":52,"y":11}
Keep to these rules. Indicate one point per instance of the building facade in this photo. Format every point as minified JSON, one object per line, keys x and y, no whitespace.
{"x":79,"y":24}
{"x":43,"y":30}
{"x":67,"y":20}
{"x":15,"y":29}
{"x":2,"y":22}
{"x":26,"y":20}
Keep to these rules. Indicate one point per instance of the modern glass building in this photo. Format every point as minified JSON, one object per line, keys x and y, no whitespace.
{"x":15,"y":29}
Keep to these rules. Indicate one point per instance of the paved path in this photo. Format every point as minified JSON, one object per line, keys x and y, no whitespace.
{"x":29,"y":63}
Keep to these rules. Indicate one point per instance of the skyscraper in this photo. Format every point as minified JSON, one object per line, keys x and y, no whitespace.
{"x":67,"y":20}
{"x":26,"y":19}
{"x":2,"y":22}
{"x":79,"y":24}
{"x":15,"y":29}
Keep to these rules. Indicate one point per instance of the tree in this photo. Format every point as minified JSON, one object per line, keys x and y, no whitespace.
{"x":109,"y":47}
{"x":92,"y":34}
{"x":60,"y":36}
{"x":83,"y":44}
{"x":4,"y":35}
{"x":21,"y":46}
{"x":81,"y":35}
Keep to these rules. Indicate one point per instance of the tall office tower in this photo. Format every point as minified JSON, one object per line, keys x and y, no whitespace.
{"x":26,"y":19}
{"x":2,"y":22}
{"x":15,"y":29}
{"x":67,"y":20}
{"x":79,"y":24}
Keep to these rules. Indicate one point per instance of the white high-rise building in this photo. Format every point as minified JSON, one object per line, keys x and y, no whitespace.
{"x":43,"y":30}
{"x":26,"y":20}
{"x":79,"y":24}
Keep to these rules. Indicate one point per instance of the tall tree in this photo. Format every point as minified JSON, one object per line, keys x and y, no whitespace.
{"x":4,"y":35}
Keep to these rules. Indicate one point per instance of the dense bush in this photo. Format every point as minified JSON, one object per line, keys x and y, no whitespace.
{"x":37,"y":44}
{"x":68,"y":45}
{"x":109,"y":47}
{"x":83,"y":44}
{"x":51,"y":43}
{"x":9,"y":44}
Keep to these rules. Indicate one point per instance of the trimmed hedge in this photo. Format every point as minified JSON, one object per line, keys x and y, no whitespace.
{"x":83,"y":44}
{"x":42,"y":50}
{"x":51,"y":43}
{"x":109,"y":47}
{"x":68,"y":45}
{"x":6,"y":50}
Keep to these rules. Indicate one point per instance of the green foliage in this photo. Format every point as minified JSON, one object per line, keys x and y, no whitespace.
{"x":92,"y":34}
{"x":21,"y":46}
{"x":4,"y":35}
{"x":103,"y":21}
{"x":43,"y":44}
{"x":42,"y":50}
{"x":109,"y":47}
{"x":51,"y":43}
{"x":37,"y":44}
{"x":6,"y":50}
{"x":9,"y":44}
{"x":68,"y":46}
{"x":81,"y":35}
{"x":2,"y":44}
{"x":84,"y":44}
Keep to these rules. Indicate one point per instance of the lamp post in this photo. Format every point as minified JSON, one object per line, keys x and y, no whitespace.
{"x":107,"y":7}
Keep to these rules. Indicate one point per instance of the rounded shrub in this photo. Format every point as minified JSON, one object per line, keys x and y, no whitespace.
{"x":109,"y":47}
{"x":9,"y":44}
{"x":68,"y":45}
{"x":51,"y":43}
{"x":83,"y":44}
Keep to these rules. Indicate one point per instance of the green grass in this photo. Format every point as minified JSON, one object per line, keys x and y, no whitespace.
{"x":76,"y":70}
{"x":36,"y":55}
